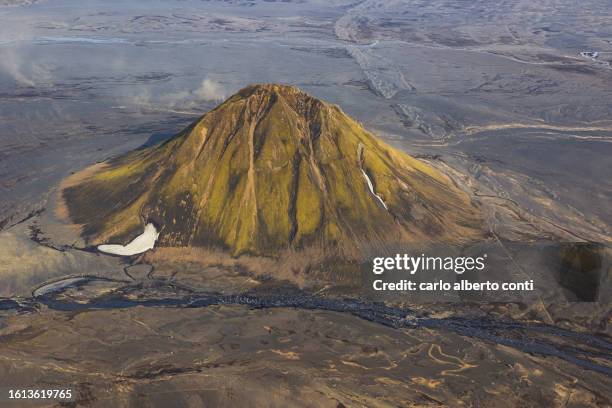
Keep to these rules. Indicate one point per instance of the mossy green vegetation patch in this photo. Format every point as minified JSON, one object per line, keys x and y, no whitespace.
{"x":270,"y":169}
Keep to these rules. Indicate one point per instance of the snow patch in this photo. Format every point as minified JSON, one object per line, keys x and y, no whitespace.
{"x":371,"y":186}
{"x":140,"y":244}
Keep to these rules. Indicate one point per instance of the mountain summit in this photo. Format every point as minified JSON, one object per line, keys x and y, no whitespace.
{"x":272,"y":168}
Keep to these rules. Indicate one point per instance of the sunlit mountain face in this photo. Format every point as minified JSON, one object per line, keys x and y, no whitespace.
{"x":272,"y":168}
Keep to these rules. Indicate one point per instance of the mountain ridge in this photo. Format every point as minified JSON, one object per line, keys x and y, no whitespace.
{"x":268,"y":169}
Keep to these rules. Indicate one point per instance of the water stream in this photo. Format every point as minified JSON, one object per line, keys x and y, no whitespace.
{"x":588,"y":351}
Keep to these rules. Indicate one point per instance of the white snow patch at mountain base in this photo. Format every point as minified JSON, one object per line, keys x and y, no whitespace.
{"x":140,"y":244}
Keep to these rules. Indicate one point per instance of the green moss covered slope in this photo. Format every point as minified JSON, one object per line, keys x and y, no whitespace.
{"x":272,"y":168}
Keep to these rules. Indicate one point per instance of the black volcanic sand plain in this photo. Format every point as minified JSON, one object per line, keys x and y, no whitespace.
{"x":494,"y":95}
{"x":226,"y":355}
